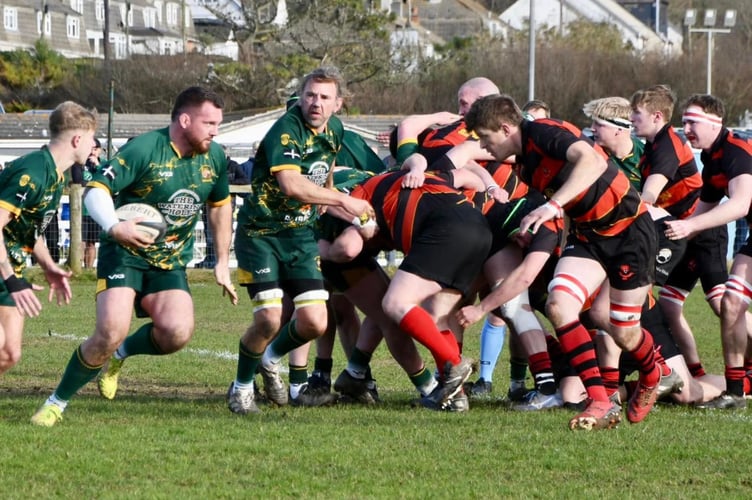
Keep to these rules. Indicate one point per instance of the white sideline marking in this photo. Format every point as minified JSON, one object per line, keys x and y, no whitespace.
{"x":204,"y":353}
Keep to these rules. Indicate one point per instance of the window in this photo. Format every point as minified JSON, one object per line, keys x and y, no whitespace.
{"x":10,"y":18}
{"x":172,"y":14}
{"x":126,"y":16}
{"x":46,"y":20}
{"x":99,"y":8}
{"x":158,"y":7}
{"x":77,"y":5}
{"x":73,"y":27}
{"x":150,"y":18}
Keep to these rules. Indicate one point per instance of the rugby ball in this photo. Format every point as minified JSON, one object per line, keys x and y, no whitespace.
{"x":153,"y":223}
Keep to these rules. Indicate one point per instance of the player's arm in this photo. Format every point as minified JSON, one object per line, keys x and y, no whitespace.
{"x":295,"y":185}
{"x":515,"y":283}
{"x":712,"y":215}
{"x":20,"y":290}
{"x":653,"y":187}
{"x":54,"y":274}
{"x":220,"y":221}
{"x":101,"y":208}
{"x":588,"y":166}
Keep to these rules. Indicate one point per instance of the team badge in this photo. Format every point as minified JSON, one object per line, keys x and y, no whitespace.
{"x":285,"y":139}
{"x":206,"y":173}
{"x":625,"y":272}
{"x":24,"y":180}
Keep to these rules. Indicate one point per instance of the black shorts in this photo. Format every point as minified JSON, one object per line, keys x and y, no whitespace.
{"x":90,"y":230}
{"x":705,"y":259}
{"x":449,"y":247}
{"x":628,"y":259}
{"x":653,"y":321}
{"x":670,"y":252}
{"x":341,"y":276}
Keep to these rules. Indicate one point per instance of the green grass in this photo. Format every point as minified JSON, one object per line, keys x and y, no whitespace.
{"x":168,"y":434}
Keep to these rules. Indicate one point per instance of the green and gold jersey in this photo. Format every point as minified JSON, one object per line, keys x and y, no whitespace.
{"x":630,"y":164}
{"x":148,"y":169}
{"x":30,"y":189}
{"x":356,"y":153}
{"x":289,"y":144}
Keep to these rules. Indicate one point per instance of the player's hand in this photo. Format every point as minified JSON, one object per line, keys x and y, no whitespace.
{"x":499,"y":194}
{"x":360,"y":209}
{"x":22,"y":293}
{"x":127,"y":234}
{"x":468,"y":315}
{"x":536,"y":218}
{"x":222,"y":277}
{"x":678,"y":229}
{"x":59,"y":285}
{"x":383,"y":138}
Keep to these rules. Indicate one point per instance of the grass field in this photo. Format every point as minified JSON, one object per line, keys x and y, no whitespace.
{"x":168,"y":434}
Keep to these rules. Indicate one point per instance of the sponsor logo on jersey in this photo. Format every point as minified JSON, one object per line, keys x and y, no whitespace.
{"x":265,"y":270}
{"x":118,"y":276}
{"x":318,"y":172}
{"x":166,"y":173}
{"x":182,"y":206}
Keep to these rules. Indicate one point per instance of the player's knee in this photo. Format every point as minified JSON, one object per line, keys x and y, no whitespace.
{"x":9,"y":357}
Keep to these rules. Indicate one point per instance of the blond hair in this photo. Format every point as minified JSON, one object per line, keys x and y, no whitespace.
{"x":69,"y":115}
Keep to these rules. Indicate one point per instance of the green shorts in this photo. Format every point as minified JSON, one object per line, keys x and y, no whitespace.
{"x":118,"y":268}
{"x":289,"y":255}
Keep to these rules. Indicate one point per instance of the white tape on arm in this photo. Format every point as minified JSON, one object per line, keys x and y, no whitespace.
{"x":101,"y":208}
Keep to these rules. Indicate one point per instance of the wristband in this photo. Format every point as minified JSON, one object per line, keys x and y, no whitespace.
{"x":554,"y":206}
{"x":15,"y":284}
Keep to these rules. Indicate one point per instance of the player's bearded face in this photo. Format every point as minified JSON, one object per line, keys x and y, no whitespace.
{"x":319,"y":103}
{"x":203,"y":127}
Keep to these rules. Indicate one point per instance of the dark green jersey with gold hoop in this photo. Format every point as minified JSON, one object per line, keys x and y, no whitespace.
{"x":149,"y":170}
{"x":30,"y":189}
{"x":289,"y":144}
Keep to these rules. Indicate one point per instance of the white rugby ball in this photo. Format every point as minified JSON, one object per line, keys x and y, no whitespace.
{"x":153,"y":223}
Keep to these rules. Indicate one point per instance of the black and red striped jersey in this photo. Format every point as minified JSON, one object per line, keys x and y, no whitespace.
{"x":400,"y":211}
{"x":438,"y":141}
{"x":602,"y":210}
{"x":671,"y":156}
{"x":728,"y":157}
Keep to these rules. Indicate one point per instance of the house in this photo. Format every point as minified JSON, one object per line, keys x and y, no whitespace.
{"x":26,"y":21}
{"x":559,"y":13}
{"x":75,"y":28}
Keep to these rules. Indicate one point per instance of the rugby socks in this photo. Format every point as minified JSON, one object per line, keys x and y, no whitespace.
{"x":357,"y":365}
{"x":322,"y":368}
{"x":419,"y":325}
{"x":287,"y":340}
{"x":298,"y":378}
{"x":248,"y":363}
{"x":575,"y":341}
{"x":610,"y":377}
{"x":139,"y":342}
{"x":424,"y":381}
{"x":696,"y":370}
{"x":540,"y":367}
{"x":77,"y":374}
{"x":491,"y":344}
{"x":644,"y":355}
{"x":517,"y":373}
{"x":735,"y":380}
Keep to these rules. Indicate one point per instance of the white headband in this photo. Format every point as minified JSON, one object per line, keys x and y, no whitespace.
{"x":613,"y":122}
{"x":697,"y":115}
